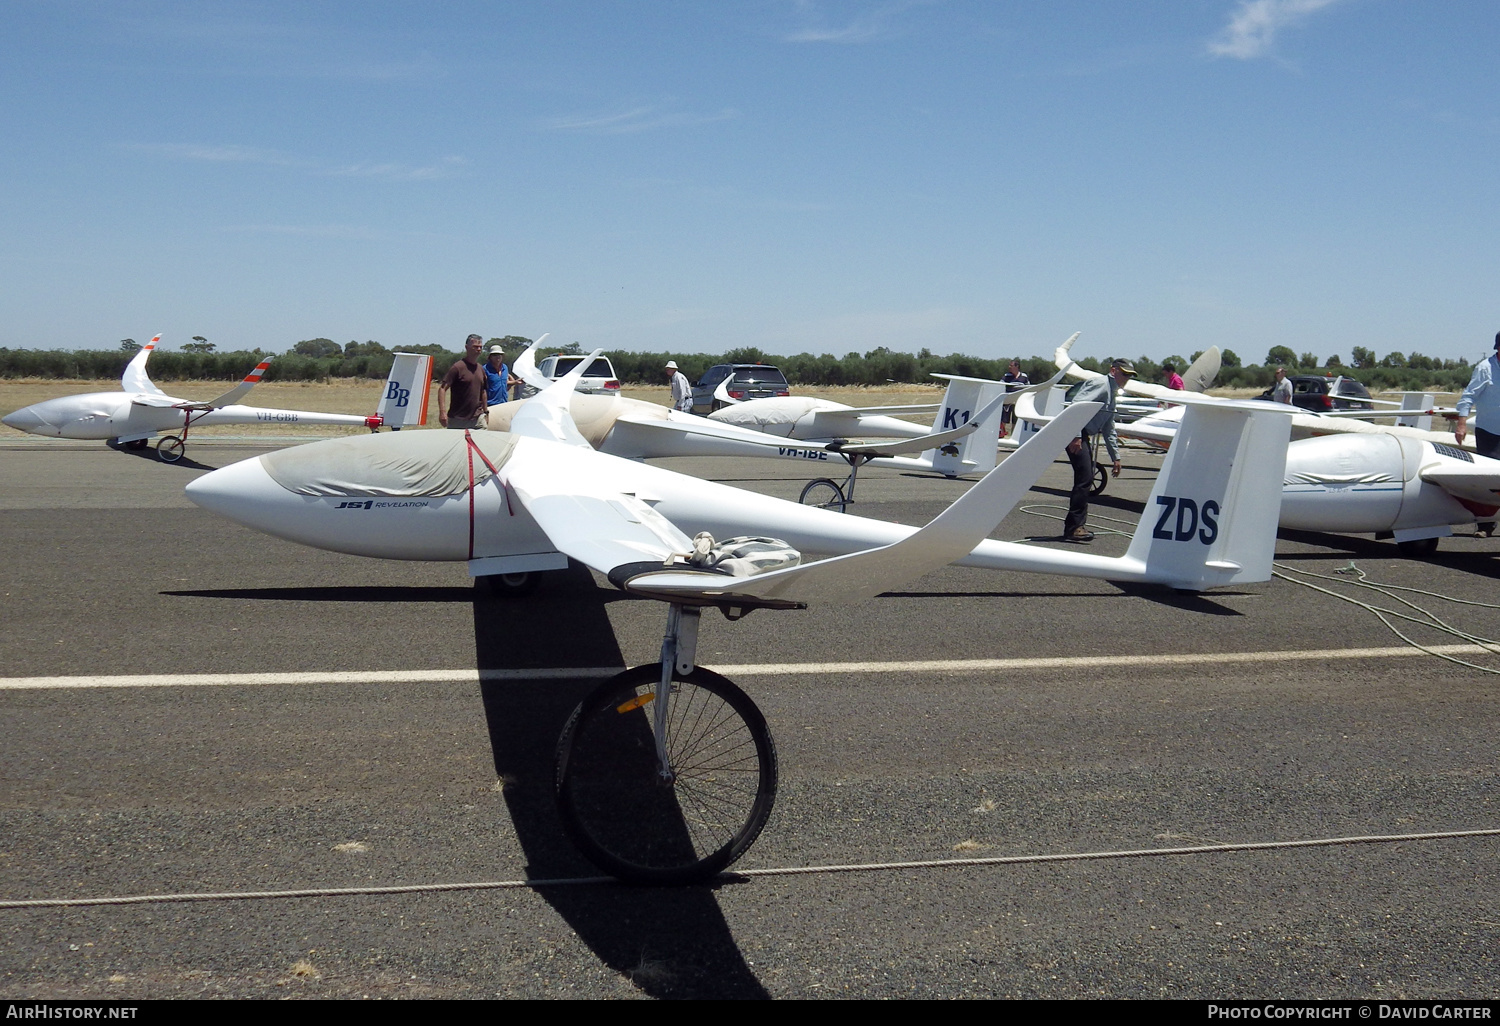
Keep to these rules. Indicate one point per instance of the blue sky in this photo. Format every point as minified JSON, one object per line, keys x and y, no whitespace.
{"x":800,"y":175}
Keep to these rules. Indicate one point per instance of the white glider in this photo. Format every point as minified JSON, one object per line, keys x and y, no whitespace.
{"x":1345,"y":476}
{"x":666,"y":773}
{"x":505,"y":499}
{"x":1304,"y":424}
{"x":141,"y":411}
{"x":962,"y":439}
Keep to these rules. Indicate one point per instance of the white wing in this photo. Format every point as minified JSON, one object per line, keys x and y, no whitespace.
{"x":952,"y":535}
{"x":1478,"y":483}
{"x":593,"y":522}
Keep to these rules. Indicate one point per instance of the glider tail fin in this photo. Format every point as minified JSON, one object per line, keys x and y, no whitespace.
{"x":1211,"y":518}
{"x":974,"y":453}
{"x":404,"y":401}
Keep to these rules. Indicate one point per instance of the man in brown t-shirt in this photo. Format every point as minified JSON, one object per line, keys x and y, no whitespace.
{"x":465,"y":381}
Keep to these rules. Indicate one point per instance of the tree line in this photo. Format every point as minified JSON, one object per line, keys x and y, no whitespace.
{"x":321,"y":359}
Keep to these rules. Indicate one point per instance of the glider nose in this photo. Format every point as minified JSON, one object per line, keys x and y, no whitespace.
{"x":28,"y":419}
{"x":237,"y":491}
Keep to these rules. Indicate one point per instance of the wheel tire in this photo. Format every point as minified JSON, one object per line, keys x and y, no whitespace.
{"x":508,"y":586}
{"x":170,"y":449}
{"x":1101,"y":479}
{"x":614,"y":804}
{"x":138,"y":445}
{"x":824,"y":494}
{"x":1419,"y":549}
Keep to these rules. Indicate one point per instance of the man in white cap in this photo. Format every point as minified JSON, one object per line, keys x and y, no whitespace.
{"x":682,"y":390}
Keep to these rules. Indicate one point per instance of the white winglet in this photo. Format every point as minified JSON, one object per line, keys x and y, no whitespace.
{"x":1200,"y":376}
{"x":239,"y":391}
{"x":135,"y":378}
{"x":547,"y":414}
{"x":721,"y":393}
{"x":525,"y":366}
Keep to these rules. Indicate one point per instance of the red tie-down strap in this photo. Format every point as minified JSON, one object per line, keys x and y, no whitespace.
{"x":473,"y":447}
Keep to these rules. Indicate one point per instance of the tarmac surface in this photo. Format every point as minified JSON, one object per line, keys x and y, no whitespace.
{"x":213,"y":787}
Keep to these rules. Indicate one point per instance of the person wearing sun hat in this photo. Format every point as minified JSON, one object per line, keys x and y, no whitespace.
{"x":682,"y":389}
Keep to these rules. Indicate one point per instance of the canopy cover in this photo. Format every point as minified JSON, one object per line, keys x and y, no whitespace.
{"x":403,"y":463}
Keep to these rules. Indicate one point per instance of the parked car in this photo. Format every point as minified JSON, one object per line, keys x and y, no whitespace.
{"x":747,"y":381}
{"x":1319,"y":394}
{"x":599,"y":379}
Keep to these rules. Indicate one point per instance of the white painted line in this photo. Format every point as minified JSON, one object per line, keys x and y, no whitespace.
{"x":178,"y":680}
{"x":187,"y":680}
{"x":1096,"y":661}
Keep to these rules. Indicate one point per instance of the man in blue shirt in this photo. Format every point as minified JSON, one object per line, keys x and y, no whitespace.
{"x":496,"y":377}
{"x":1482,"y":398}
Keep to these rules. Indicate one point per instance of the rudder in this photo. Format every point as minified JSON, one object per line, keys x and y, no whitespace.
{"x":963,"y":399}
{"x":404,"y":401}
{"x":1212,"y":515}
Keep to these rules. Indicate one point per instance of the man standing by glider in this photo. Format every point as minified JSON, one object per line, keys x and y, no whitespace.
{"x":682,"y":390}
{"x":1482,"y":398}
{"x":496,"y":377}
{"x":465,"y":381}
{"x":1081,"y":449}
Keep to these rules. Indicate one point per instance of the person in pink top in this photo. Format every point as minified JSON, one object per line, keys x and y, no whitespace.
{"x":1173,"y":379}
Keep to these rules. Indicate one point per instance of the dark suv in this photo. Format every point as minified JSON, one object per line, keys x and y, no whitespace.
{"x":747,"y":381}
{"x":1319,"y":395}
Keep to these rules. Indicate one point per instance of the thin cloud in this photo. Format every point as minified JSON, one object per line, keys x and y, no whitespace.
{"x":869,"y":25}
{"x":448,"y":167}
{"x":223,"y":154}
{"x":637,"y":119}
{"x":389,"y":171}
{"x":310,"y":231}
{"x":1253,"y":26}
